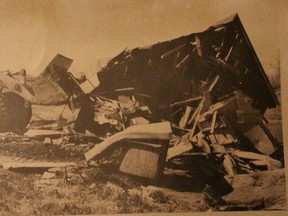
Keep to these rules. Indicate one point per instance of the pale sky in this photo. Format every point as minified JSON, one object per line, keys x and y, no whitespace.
{"x":34,"y":31}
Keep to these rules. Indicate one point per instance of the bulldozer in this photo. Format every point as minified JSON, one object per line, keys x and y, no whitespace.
{"x":54,"y":86}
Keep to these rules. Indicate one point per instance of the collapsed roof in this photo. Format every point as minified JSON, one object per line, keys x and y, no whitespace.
{"x":182,"y":68}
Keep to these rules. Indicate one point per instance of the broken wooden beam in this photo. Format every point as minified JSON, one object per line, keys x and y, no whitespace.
{"x":44,"y":133}
{"x":185,"y":117}
{"x":35,"y":166}
{"x":176,"y":49}
{"x":186,"y":102}
{"x":198,"y":45}
{"x":213,"y":123}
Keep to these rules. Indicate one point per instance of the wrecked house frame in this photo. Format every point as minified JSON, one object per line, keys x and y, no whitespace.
{"x":196,"y":102}
{"x":176,"y":70}
{"x":212,"y":88}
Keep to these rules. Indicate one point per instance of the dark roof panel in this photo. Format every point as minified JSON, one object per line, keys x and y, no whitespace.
{"x":176,"y":69}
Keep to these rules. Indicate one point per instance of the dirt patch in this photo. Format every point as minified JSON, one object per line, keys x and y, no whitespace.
{"x":269,"y":185}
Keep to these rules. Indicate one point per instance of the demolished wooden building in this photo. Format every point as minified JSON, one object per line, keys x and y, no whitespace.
{"x":180,"y":69}
{"x":212,"y":88}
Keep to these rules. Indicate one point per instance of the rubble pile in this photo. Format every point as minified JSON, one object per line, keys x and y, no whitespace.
{"x":213,"y":90}
{"x":195,"y":103}
{"x":104,"y":116}
{"x":209,"y":85}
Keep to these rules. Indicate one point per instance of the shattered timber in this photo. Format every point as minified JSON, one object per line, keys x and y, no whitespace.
{"x":196,"y":103}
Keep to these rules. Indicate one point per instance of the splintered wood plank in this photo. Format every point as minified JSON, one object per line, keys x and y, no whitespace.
{"x":213,"y":123}
{"x":184,"y":119}
{"x":36,"y":165}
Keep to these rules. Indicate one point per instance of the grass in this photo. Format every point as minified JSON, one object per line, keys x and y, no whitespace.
{"x":21,"y":195}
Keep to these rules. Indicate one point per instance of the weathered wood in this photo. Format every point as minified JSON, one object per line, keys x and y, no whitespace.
{"x":35,"y":165}
{"x":15,"y":86}
{"x":249,"y":116}
{"x":176,"y":49}
{"x":161,"y":131}
{"x":185,"y":117}
{"x":186,"y":102}
{"x":251,"y":155}
{"x":141,"y":163}
{"x":182,"y":63}
{"x":179,"y":149}
{"x":198,"y":45}
{"x":261,"y":140}
{"x":213,"y":123}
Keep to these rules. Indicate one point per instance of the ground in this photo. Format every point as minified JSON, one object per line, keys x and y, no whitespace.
{"x":103,"y":189}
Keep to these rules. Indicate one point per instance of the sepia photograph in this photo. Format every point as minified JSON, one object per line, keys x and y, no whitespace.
{"x":142,"y":107}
